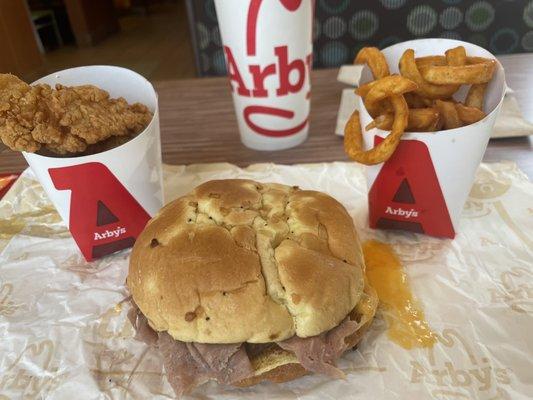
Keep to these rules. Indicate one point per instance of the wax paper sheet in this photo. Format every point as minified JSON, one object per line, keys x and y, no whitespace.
{"x":65,"y":335}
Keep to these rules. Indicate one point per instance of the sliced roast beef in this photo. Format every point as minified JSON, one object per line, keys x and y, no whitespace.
{"x":189,"y":365}
{"x":320,"y":353}
{"x":143,"y":332}
{"x":227,"y":363}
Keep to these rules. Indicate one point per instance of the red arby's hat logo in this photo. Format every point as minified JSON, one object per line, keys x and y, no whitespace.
{"x":407,"y":195}
{"x":291,"y":5}
{"x":104,"y":216}
{"x":253,"y":15}
{"x":289,"y":73}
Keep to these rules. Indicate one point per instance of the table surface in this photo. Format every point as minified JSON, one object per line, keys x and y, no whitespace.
{"x":198,"y":124}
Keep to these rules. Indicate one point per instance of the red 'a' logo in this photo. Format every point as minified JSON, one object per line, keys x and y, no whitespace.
{"x":406,"y":193}
{"x":104,"y":216}
{"x":253,"y":16}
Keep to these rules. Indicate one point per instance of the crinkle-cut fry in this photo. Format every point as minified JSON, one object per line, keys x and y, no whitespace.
{"x":469,"y":115}
{"x":456,"y":57}
{"x":384,"y":88}
{"x":353,"y":137}
{"x":476,"y":96}
{"x":420,"y":120}
{"x":458,"y":75}
{"x":375,"y":60}
{"x":409,"y":69}
{"x":449,"y":114}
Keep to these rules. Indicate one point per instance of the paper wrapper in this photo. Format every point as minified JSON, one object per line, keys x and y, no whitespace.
{"x":64,"y":337}
{"x":107,"y":198}
{"x":268,"y":48}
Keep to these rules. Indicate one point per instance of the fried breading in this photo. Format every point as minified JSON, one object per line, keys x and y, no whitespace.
{"x":65,"y":119}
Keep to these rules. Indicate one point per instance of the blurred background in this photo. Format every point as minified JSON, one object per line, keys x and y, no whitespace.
{"x":178,"y":39}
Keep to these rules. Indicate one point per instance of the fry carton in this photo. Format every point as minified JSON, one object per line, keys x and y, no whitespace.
{"x":106,"y":199}
{"x":423,"y":187}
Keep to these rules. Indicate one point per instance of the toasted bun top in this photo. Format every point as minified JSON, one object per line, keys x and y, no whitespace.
{"x":236,"y":261}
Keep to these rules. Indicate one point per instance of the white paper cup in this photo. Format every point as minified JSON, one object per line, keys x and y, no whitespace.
{"x":268,"y":49}
{"x":439,"y":167}
{"x":106,"y":199}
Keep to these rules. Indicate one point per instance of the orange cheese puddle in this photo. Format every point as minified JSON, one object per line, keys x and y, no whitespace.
{"x":407,"y":326}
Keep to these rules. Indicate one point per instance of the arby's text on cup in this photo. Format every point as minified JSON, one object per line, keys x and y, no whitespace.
{"x":288,"y":72}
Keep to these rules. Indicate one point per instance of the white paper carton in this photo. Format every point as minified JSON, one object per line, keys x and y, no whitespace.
{"x":424,"y":185}
{"x":268,"y":49}
{"x":106,"y":198}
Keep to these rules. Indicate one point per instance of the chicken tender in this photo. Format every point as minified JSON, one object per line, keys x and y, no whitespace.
{"x":63,"y":119}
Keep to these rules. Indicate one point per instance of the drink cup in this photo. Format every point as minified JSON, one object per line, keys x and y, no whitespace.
{"x":268,"y":49}
{"x":107,"y":198}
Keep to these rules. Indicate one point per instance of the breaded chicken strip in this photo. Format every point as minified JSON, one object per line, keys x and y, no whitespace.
{"x":65,"y":119}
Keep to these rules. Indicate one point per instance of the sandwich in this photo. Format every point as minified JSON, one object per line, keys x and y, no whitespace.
{"x":243,"y":282}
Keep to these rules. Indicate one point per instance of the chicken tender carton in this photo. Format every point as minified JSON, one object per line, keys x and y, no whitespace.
{"x":106,"y":199}
{"x":423,"y":187}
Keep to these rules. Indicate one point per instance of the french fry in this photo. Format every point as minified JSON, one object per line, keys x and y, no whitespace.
{"x":439,"y":124}
{"x":363,"y":89}
{"x":422,"y":119}
{"x":409,"y":69}
{"x":414,"y":100}
{"x":476,"y":96}
{"x":456,"y":57}
{"x":375,"y":60}
{"x":430,"y":60}
{"x":479,"y":60}
{"x":441,"y":60}
{"x":386,"y":87}
{"x":419,"y":120}
{"x":383,"y":122}
{"x":353,"y":137}
{"x":458,"y":75}
{"x":449,"y":114}
{"x":418,"y":100}
{"x":383,"y":107}
{"x":469,"y":115}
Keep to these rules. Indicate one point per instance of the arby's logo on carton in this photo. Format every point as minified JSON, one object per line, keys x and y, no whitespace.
{"x":288,"y":72}
{"x":104,"y":217}
{"x":407,"y":194}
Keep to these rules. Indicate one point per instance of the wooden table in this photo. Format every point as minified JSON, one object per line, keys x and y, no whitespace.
{"x":198,"y":123}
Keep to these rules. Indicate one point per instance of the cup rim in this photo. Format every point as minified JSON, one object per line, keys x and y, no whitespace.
{"x":138,"y":137}
{"x":416,"y":135}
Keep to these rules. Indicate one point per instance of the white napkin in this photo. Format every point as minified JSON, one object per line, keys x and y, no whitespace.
{"x":510,"y":122}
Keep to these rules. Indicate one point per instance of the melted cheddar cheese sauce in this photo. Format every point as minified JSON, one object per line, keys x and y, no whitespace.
{"x":407,"y":326}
